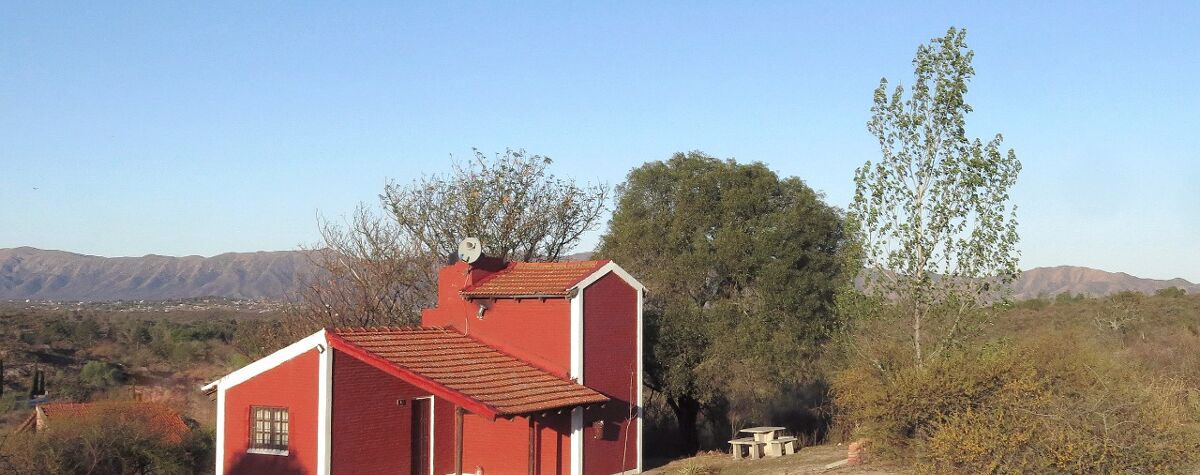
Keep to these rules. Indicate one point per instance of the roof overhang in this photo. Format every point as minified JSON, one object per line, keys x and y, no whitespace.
{"x":411,"y":377}
{"x":323,"y":340}
{"x":568,"y":293}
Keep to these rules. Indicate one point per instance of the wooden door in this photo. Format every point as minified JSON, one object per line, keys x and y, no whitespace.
{"x":422,"y":416}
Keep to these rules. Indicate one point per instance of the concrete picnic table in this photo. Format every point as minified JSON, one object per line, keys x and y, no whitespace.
{"x":762,"y":434}
{"x":767,"y":438}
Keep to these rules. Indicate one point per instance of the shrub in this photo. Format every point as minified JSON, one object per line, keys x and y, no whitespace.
{"x":1045,"y":406}
{"x":105,"y":443}
{"x":187,"y":352}
{"x":100,"y":375}
{"x":1170,"y":292}
{"x":11,"y":401}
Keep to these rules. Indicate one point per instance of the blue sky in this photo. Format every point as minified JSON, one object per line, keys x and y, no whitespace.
{"x":201,"y":128}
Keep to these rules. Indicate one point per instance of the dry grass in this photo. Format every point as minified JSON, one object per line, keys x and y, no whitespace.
{"x":809,"y":460}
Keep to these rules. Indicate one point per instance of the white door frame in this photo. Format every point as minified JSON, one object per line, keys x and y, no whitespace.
{"x":432,"y":434}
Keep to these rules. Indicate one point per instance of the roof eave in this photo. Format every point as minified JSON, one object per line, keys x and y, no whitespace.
{"x":337,"y":342}
{"x":472,"y":296}
{"x":608,"y":267}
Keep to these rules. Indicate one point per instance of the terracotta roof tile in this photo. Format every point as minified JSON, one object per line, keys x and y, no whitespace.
{"x":549,"y":279}
{"x":477,"y":371}
{"x":157,"y":417}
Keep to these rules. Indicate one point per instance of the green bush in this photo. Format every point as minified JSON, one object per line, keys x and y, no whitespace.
{"x":1045,"y":406}
{"x":10,"y":401}
{"x":101,"y":375}
{"x":188,"y":352}
{"x":1170,"y":292}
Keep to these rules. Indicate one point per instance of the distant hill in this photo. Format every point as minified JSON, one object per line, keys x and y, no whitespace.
{"x":579,"y":256}
{"x":29,"y":273}
{"x":1051,"y":281}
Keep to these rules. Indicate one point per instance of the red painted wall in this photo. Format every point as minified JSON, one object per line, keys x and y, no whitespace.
{"x":499,"y":447}
{"x":293,"y":385}
{"x":371,"y":431}
{"x":537,"y":331}
{"x":553,"y":444}
{"x":609,"y":360}
{"x":502,"y":446}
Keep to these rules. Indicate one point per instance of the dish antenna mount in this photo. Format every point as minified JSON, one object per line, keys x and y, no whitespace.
{"x":469,"y":250}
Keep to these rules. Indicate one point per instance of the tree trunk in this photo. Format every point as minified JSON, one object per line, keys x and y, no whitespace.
{"x":687,"y":411}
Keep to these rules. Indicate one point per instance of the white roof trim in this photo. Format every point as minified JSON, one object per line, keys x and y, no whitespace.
{"x":270,"y":361}
{"x":604,"y":270}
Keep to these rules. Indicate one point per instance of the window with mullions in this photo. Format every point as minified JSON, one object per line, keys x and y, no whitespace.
{"x":269,"y":428}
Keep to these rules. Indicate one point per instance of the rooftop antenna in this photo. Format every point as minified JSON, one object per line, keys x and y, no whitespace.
{"x":469,"y":250}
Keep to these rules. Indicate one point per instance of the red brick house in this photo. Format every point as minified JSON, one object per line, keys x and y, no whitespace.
{"x":521,"y":368}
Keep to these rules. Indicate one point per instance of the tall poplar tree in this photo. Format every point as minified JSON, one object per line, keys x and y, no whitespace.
{"x":938,"y":233}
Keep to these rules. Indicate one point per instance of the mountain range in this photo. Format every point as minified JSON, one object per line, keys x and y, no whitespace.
{"x":1050,"y":281}
{"x":29,"y":273}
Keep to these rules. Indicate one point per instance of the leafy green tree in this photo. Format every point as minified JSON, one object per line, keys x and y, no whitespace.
{"x":742,"y":267}
{"x":937,"y":231}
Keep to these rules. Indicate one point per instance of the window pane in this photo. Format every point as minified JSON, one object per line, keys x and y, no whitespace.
{"x":269,"y":427}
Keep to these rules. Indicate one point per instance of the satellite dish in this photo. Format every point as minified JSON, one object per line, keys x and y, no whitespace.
{"x":469,"y":250}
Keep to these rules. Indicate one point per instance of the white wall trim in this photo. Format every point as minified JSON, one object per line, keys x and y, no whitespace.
{"x":276,"y":452}
{"x":576,"y":373}
{"x":577,"y":441}
{"x":604,"y":270}
{"x":325,"y":409}
{"x":576,"y":370}
{"x":220,"y":443}
{"x":640,"y":379}
{"x":432,"y":427}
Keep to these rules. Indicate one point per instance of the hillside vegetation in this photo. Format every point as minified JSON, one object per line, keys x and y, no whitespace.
{"x":1070,"y":385}
{"x":96,"y":353}
{"x":103,"y":354}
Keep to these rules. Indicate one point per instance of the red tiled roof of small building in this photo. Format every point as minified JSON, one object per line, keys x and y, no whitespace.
{"x":156,"y":417}
{"x":533,"y":279}
{"x":503,"y":383}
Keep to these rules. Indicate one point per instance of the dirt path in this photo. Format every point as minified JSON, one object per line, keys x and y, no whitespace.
{"x":808,"y":461}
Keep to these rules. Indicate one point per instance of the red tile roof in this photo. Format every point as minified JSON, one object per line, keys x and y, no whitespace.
{"x":474,"y":375}
{"x":533,"y":279}
{"x":156,"y":417}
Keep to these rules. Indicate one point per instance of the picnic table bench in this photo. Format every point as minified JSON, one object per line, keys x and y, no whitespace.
{"x":755,"y":448}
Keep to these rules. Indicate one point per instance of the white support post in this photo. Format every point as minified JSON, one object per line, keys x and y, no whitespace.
{"x":324,"y":409}
{"x":577,"y":374}
{"x":220,"y":446}
{"x":641,"y":293}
